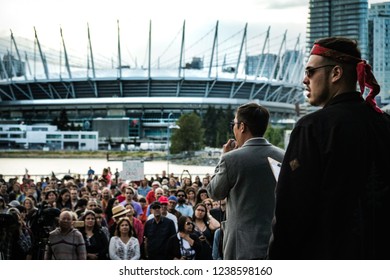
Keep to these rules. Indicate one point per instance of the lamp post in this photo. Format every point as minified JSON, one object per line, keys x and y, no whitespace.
{"x":169,"y":127}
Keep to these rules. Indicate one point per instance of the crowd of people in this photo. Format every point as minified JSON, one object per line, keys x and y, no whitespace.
{"x":102,"y":217}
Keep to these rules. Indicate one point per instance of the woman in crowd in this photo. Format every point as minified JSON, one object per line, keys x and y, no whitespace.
{"x":185,"y":245}
{"x":136,"y":224}
{"x":209,"y":204}
{"x":63,"y":200}
{"x":51,"y":197}
{"x":205,"y":225}
{"x":29,"y":204}
{"x":96,"y":241}
{"x":191,"y":196}
{"x":108,"y":212}
{"x":197,"y":181}
{"x":201,"y":195}
{"x":124,"y":246}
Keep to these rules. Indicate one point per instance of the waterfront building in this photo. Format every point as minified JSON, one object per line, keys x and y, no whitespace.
{"x":46,"y":137}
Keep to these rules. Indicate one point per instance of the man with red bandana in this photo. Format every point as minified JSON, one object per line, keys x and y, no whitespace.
{"x":333,"y":192}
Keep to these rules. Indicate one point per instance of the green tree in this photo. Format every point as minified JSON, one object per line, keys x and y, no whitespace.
{"x":275,"y":135}
{"x":190,"y":135}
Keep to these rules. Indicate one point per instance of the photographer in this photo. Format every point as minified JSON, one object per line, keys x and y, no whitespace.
{"x":15,"y":237}
{"x":42,"y":222}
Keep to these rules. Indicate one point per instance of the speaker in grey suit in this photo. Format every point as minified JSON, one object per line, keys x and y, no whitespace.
{"x":244,"y":177}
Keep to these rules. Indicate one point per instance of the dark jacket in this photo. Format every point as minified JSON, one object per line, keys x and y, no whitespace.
{"x":333,"y":194}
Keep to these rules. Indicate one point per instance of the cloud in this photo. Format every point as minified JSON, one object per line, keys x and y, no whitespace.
{"x":286,"y":4}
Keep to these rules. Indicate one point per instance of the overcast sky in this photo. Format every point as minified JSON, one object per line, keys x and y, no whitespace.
{"x":167,"y":19}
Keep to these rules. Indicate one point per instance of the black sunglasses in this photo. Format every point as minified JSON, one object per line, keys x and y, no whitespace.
{"x":309,"y":72}
{"x":189,"y":223}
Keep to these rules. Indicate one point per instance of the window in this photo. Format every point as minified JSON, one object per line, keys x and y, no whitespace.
{"x":53,"y":136}
{"x":71,"y":136}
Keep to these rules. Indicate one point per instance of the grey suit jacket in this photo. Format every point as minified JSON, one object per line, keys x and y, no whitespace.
{"x":245,"y":178}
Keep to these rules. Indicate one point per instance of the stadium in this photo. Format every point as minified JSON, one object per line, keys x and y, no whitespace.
{"x":136,"y":103}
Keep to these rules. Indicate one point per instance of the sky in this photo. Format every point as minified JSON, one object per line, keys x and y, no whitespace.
{"x":167,"y":16}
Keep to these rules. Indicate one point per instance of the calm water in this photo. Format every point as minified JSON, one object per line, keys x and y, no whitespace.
{"x":43,"y":167}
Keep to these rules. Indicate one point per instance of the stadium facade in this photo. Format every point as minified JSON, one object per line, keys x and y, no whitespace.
{"x":150,"y":98}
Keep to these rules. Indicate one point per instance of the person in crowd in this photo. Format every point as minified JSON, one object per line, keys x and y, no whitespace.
{"x":73,"y":198}
{"x":244,"y":176}
{"x":198,"y":182}
{"x":205,"y":225}
{"x":201,"y":196}
{"x":92,"y":203}
{"x":124,"y":246}
{"x":151,"y":196}
{"x":3,"y":205}
{"x":205,"y":182}
{"x":81,"y":206}
{"x":334,"y":187}
{"x":172,"y":202}
{"x":105,"y":197}
{"x":15,"y":237}
{"x":191,"y":196}
{"x":181,"y":206}
{"x":108,"y":212}
{"x":118,"y":212}
{"x":143,"y":217}
{"x":158,"y":192}
{"x":164,"y":211}
{"x":185,"y":245}
{"x":144,"y":188}
{"x":96,"y":242}
{"x":157,"y":231}
{"x":130,"y":192}
{"x":90,"y":173}
{"x":101,"y":222}
{"x":209,"y":204}
{"x":84,"y":193}
{"x":136,"y":224}
{"x":66,"y":242}
{"x":63,"y":200}
{"x":51,"y":197}
{"x":31,"y":209}
{"x":3,"y":192}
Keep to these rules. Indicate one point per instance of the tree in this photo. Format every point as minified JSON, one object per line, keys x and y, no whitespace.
{"x":275,"y":135}
{"x":190,"y":135}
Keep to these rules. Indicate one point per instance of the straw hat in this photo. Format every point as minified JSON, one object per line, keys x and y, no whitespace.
{"x":119,"y":210}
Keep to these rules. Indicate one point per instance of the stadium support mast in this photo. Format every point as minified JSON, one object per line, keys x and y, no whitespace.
{"x":65,"y":55}
{"x":17,"y":52}
{"x":242,"y":46}
{"x":42,"y":55}
{"x":91,"y":53}
{"x":182,"y":48}
{"x":213,"y":50}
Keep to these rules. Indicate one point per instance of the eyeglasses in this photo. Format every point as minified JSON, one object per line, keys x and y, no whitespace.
{"x":180,"y":195}
{"x":233,"y":123}
{"x":189,"y":223}
{"x":309,"y":72}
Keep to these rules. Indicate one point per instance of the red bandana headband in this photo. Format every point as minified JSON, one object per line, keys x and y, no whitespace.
{"x":364,"y":73}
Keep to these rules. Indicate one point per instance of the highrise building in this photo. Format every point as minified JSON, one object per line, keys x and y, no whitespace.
{"x":379,"y":46}
{"x":347,"y":18}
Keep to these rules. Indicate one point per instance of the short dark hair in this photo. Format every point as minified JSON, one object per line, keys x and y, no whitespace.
{"x":255,"y":117}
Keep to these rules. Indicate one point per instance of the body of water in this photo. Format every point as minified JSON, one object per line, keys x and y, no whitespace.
{"x":38,"y":167}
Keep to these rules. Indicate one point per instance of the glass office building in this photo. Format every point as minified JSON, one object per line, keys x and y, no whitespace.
{"x":348,"y":18}
{"x":379,"y":46}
